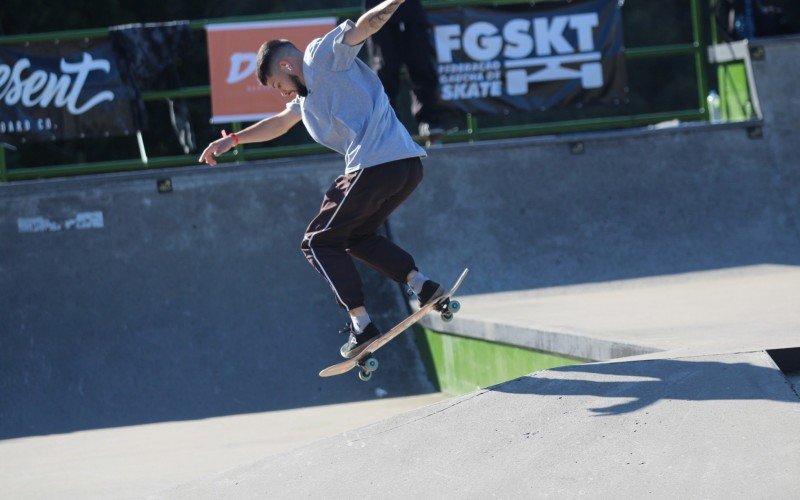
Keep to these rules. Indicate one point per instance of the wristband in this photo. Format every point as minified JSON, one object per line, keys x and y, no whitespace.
{"x":232,"y":134}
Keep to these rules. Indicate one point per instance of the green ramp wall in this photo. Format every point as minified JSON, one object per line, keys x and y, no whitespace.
{"x":459,"y":365}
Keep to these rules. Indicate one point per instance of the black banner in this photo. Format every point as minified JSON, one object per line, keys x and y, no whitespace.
{"x":151,"y":53}
{"x":63,"y":90}
{"x":493,"y":60}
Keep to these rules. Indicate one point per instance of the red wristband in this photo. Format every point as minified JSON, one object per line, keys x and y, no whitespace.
{"x":232,"y":134}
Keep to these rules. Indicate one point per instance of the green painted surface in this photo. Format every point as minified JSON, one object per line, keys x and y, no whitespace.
{"x":733,"y":91}
{"x":460,"y":365}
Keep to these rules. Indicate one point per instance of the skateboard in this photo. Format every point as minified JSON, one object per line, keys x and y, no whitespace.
{"x":365,"y":360}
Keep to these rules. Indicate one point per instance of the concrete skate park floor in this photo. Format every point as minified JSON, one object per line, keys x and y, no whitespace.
{"x":704,"y":416}
{"x":135,"y":461}
{"x":693,"y":317}
{"x":719,"y":426}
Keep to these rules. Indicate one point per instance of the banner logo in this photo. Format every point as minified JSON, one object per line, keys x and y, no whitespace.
{"x":42,"y":88}
{"x":66,"y":90}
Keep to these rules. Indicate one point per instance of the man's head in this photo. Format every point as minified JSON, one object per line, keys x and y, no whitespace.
{"x":280,"y":65}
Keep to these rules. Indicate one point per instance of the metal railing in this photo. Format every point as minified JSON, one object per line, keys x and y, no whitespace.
{"x":695,"y":48}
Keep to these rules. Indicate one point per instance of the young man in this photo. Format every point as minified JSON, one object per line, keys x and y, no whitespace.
{"x":344,"y":107}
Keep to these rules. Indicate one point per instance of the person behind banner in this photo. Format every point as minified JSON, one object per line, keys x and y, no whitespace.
{"x":744,"y":19}
{"x":344,"y":106}
{"x":406,"y":40}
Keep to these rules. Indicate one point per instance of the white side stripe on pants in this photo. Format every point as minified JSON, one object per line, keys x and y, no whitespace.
{"x":310,"y":240}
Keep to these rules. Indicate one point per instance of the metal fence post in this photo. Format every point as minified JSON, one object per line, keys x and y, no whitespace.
{"x":700,"y":56}
{"x":237,"y":127}
{"x":712,"y":8}
{"x":472,"y":127}
{"x":3,"y":170}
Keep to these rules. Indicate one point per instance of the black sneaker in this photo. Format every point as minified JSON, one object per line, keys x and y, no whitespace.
{"x":359,"y":341}
{"x":431,"y":291}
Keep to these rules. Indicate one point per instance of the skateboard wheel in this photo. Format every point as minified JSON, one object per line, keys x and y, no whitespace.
{"x":371,"y":365}
{"x":447,"y":316}
{"x":364,"y":376}
{"x":454,"y":306}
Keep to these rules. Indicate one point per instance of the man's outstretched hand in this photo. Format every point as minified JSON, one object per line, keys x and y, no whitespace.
{"x":217,"y":148}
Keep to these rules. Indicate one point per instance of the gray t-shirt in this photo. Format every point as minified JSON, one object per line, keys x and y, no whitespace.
{"x":347,"y":109}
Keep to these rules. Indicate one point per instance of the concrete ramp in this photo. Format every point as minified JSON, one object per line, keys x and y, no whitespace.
{"x":701,"y":427}
{"x":123,"y":306}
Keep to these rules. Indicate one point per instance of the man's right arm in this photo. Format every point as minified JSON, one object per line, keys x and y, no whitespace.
{"x":371,"y":22}
{"x":265,"y":130}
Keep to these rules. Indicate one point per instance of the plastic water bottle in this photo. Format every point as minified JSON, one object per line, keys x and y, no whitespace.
{"x":714,"y":107}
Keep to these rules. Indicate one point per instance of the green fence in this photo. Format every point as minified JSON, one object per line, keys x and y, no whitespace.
{"x":471,"y":130}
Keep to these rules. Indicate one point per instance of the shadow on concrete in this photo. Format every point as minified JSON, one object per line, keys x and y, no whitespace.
{"x":644,"y":383}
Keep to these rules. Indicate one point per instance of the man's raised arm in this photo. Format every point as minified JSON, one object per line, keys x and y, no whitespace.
{"x":372,"y":21}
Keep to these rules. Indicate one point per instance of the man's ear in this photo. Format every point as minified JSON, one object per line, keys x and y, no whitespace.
{"x":285,"y":65}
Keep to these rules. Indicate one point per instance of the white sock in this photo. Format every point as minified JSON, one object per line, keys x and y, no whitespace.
{"x":360,"y":322}
{"x":416,"y":281}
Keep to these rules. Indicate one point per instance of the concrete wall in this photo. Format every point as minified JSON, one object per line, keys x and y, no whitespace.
{"x":192,"y":304}
{"x":528,"y":213}
{"x":777,"y":75}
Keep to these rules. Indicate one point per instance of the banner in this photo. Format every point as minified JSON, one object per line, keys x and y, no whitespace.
{"x":151,"y":54}
{"x":236,"y":94}
{"x":530,"y":58}
{"x":63,"y":90}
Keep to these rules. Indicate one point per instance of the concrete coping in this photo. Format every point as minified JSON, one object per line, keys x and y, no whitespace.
{"x":287,"y":164}
{"x":571,"y":344}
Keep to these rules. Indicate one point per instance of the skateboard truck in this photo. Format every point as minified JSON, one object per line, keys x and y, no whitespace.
{"x":444,"y":305}
{"x":448,"y":307}
{"x":367,"y":366}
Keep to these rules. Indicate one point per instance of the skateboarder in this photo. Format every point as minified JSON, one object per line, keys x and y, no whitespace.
{"x":343,"y":105}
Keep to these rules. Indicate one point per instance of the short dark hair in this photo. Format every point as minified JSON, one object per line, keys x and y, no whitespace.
{"x":265,"y":56}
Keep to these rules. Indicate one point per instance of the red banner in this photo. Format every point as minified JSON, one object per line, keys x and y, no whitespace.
{"x":236,"y":94}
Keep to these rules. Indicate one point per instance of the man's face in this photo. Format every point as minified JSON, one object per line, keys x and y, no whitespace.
{"x":287,"y":84}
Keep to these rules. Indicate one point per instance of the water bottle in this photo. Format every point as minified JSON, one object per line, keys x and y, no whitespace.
{"x":714,"y":107}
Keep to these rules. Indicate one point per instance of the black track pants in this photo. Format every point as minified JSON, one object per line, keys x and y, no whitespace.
{"x":352,"y":211}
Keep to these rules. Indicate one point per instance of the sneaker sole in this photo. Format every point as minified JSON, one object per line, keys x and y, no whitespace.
{"x":358,"y":350}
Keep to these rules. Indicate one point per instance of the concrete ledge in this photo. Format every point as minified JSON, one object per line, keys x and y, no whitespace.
{"x":311,"y":162}
{"x":572,"y":344}
{"x":727,"y":310}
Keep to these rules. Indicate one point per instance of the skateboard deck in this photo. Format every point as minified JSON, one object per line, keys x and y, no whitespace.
{"x":369,"y":364}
